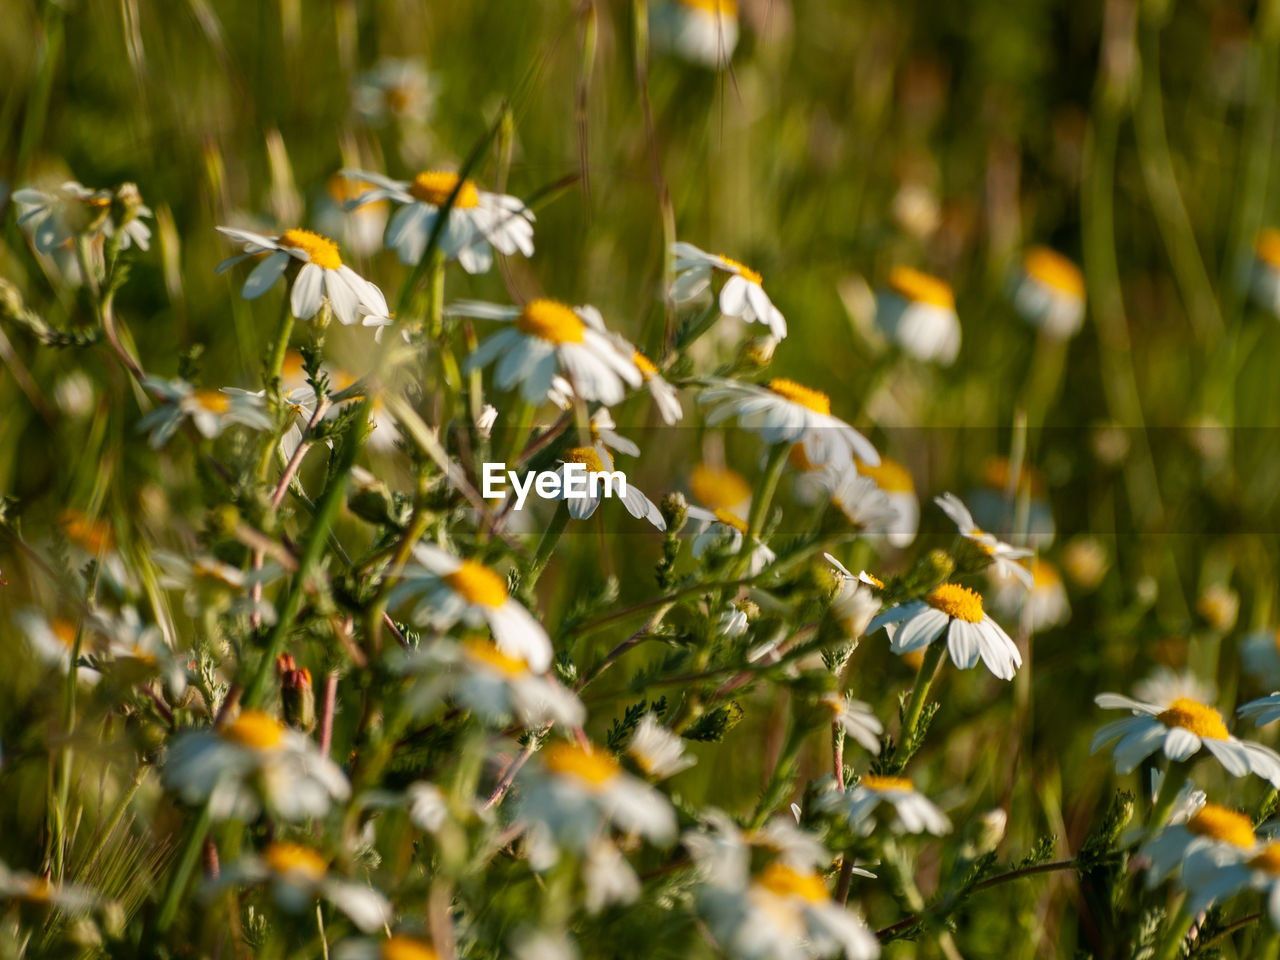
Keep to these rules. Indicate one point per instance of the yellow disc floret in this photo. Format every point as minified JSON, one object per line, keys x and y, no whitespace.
{"x":1054,"y":270}
{"x":400,"y":947}
{"x":956,"y":601}
{"x":294,"y":858}
{"x":478,"y":584}
{"x":255,"y":729}
{"x":718,"y":486}
{"x":1227,"y":826}
{"x":485,"y":653}
{"x":589,"y":457}
{"x":890,"y":476}
{"x":593,"y":767}
{"x":646,"y":366}
{"x":742,"y":270}
{"x":730,"y":519}
{"x":1205,"y":722}
{"x":64,"y":630}
{"x":1268,"y":860}
{"x":873,"y":782}
{"x":321,"y":251}
{"x":436,"y":186}
{"x":780,"y":879}
{"x":552,"y":321}
{"x":214,"y":401}
{"x":811,"y":399}
{"x":920,"y":287}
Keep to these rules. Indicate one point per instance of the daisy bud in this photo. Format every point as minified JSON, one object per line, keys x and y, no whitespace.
{"x":674,"y":509}
{"x":125,"y":204}
{"x":296,"y":693}
{"x":985,"y":834}
{"x":370,"y":499}
{"x":757,"y":353}
{"x":929,"y":571}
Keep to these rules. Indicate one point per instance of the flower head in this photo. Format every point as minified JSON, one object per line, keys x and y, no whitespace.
{"x":918,"y":313}
{"x":957,"y":613}
{"x":742,"y":294}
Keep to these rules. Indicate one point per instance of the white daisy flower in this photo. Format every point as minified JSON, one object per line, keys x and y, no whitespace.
{"x":1003,"y":555}
{"x":1048,"y":292}
{"x":1180,"y":731}
{"x":596,"y":459}
{"x":1042,"y":607}
{"x":1210,"y":827}
{"x":211,"y":411}
{"x":1210,"y":878}
{"x":1264,"y":284}
{"x":398,"y":946}
{"x":720,"y":488}
{"x":546,"y":338}
{"x":607,"y":876}
{"x":732,"y":622}
{"x":912,"y":811}
{"x":56,"y":217}
{"x":957,"y":612}
{"x":659,"y":752}
{"x":857,"y":600}
{"x":918,"y":313}
{"x":478,"y":221}
{"x":322,"y":279}
{"x":52,"y":639}
{"x":665,"y":397}
{"x":448,"y":589}
{"x":251,"y":762}
{"x":298,"y":876}
{"x":137,"y":651}
{"x":855,"y":718}
{"x":360,"y":228}
{"x":576,"y":789}
{"x":208,"y":584}
{"x":721,"y":531}
{"x":704,"y":32}
{"x":393,"y":88}
{"x":784,"y":411}
{"x":1262,"y":711}
{"x":26,"y":888}
{"x":481,"y":678}
{"x":742,"y":295}
{"x":1165,"y":685}
{"x":605,"y":431}
{"x":995,"y":502}
{"x":859,"y":498}
{"x":900,"y":488}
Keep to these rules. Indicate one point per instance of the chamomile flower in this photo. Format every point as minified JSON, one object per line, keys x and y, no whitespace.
{"x":359,"y":228}
{"x":1003,"y":555}
{"x":136,"y":651}
{"x":957,"y":612}
{"x":398,"y":946}
{"x":546,"y":338}
{"x":479,"y":677}
{"x":298,"y":876}
{"x":997,"y":500}
{"x":720,"y":488}
{"x":704,"y":32}
{"x":321,"y":279}
{"x":478,"y":221}
{"x":607,"y":876}
{"x":658,"y":751}
{"x":26,"y":888}
{"x":596,"y":460}
{"x":857,"y":599}
{"x":665,"y":397}
{"x":865,"y":805}
{"x":575,"y":790}
{"x":447,"y":589}
{"x":1042,"y":607}
{"x":1048,"y":292}
{"x":605,"y":431}
{"x":742,"y":295}
{"x":784,"y":411}
{"x":859,"y":498}
{"x":1262,"y":711}
{"x":209,"y":584}
{"x":1164,"y":685}
{"x":251,"y":762}
{"x":394,"y":88}
{"x":210,"y":411}
{"x":1209,"y":828}
{"x":1209,"y":879}
{"x":1264,"y":284}
{"x":918,"y":313}
{"x":52,"y":639}
{"x":1179,"y":730}
{"x":56,"y":217}
{"x":721,"y":531}
{"x":855,"y":718}
{"x":900,"y":489}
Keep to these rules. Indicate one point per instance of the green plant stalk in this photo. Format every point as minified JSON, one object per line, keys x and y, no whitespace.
{"x":895,"y":862}
{"x":182,"y":873}
{"x":780,"y":780}
{"x":279,"y":347}
{"x":1174,"y":777}
{"x":760,"y":503}
{"x":1176,"y":933}
{"x":547,"y":545}
{"x":929,"y":670}
{"x":64,"y":779}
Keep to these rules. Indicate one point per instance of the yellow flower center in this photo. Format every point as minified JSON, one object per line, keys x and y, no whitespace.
{"x":919,"y":287}
{"x":295,"y":858}
{"x":914,"y":659}
{"x":64,"y":630}
{"x":890,"y":476}
{"x":718,"y":487}
{"x":743,"y":270}
{"x":646,"y":366}
{"x":956,"y":601}
{"x":1205,"y":722}
{"x":1268,"y":860}
{"x":1054,"y":270}
{"x":254,"y":729}
{"x":798,"y":393}
{"x":486,"y":654}
{"x":478,"y":584}
{"x":552,"y":321}
{"x":593,"y":767}
{"x":783,"y":881}
{"x":435,"y":186}
{"x":320,"y":250}
{"x":400,"y":947}
{"x":1267,"y":247}
{"x":92,"y":535}
{"x":1219,"y":823}
{"x":1045,"y":574}
{"x":875,"y":581}
{"x":799,"y":459}
{"x":215,"y":401}
{"x":342,"y":189}
{"x":589,"y":457}
{"x":730,"y":519}
{"x":875,"y":782}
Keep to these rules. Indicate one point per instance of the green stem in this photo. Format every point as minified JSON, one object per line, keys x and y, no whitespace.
{"x":182,"y":874}
{"x":275,"y":360}
{"x":760,"y":503}
{"x":1174,"y":777}
{"x":780,"y":780}
{"x":929,"y":670}
{"x":547,"y":545}
{"x":1176,"y":933}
